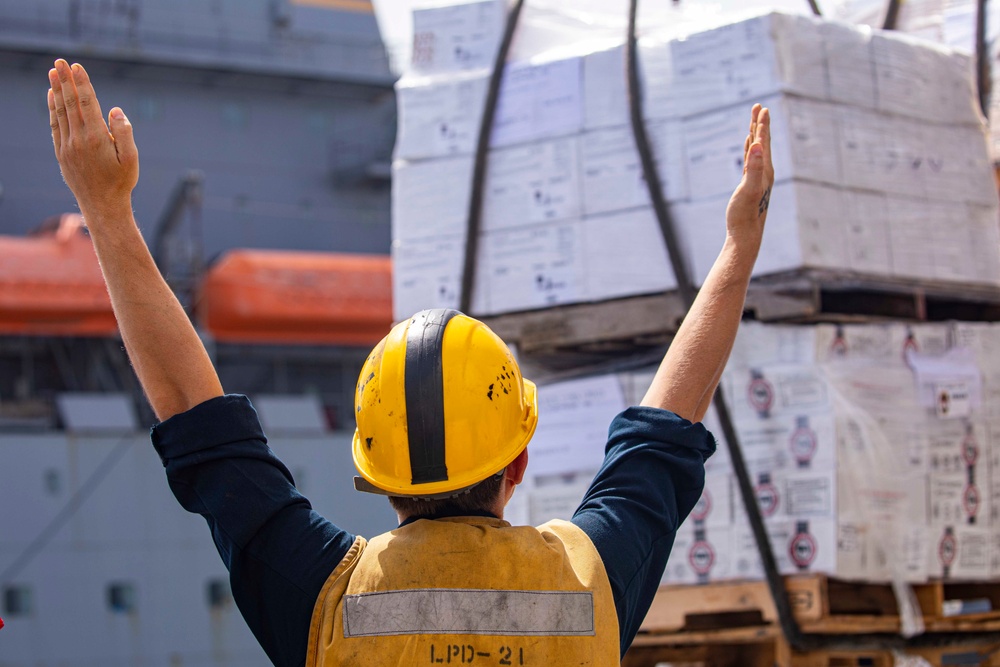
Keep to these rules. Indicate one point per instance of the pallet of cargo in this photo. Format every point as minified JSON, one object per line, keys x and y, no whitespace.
{"x":823,"y":605}
{"x":766,"y":647}
{"x":650,"y":320}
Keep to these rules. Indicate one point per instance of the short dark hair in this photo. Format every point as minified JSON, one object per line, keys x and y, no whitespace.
{"x":480,"y":498}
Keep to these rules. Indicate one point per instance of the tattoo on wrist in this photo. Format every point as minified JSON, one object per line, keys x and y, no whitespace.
{"x":765,"y":201}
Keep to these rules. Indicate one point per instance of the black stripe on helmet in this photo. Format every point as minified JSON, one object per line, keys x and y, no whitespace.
{"x":424,"y":384}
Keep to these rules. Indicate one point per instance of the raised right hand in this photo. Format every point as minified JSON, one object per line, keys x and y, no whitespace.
{"x":98,"y":159}
{"x":747,"y":208}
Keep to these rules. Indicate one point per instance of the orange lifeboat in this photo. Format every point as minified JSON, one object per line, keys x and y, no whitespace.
{"x":277,"y":297}
{"x":51,"y":284}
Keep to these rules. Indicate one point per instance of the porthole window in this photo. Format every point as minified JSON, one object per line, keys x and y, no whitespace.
{"x":18,"y":601}
{"x":219,"y":594}
{"x":52,"y":481}
{"x":121,"y":597}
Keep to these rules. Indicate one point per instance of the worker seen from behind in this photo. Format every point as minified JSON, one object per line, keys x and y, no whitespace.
{"x":443,"y":422}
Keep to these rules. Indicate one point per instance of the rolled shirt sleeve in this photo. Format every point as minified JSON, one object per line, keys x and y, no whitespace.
{"x":278,"y":550}
{"x":652,"y":476}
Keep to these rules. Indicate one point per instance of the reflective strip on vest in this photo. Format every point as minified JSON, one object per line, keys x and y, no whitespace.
{"x":458,"y":611}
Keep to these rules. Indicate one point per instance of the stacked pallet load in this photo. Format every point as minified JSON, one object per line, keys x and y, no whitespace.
{"x":880,"y":155}
{"x":874,"y":448}
{"x":869,"y":447}
{"x":875,"y":453}
{"x":875,"y":456}
{"x":873,"y":443}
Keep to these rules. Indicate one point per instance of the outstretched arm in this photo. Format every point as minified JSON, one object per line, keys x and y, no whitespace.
{"x":100,"y":164}
{"x":690,"y":371}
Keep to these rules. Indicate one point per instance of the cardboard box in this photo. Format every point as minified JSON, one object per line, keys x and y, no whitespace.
{"x":959,"y":165}
{"x":929,"y":338}
{"x":960,"y":480}
{"x":881,"y":152}
{"x":761,"y":395}
{"x":911,"y":224}
{"x":440,"y":115}
{"x":983,"y":340}
{"x":535,"y":267}
{"x":573,"y":420}
{"x":556,"y":501}
{"x":994,"y":568}
{"x":919,"y":79}
{"x":866,"y":231}
{"x":625,"y":254}
{"x":886,"y":344}
{"x":716,"y":505}
{"x":532,"y":183}
{"x":799,"y":545}
{"x":992,"y":455}
{"x":983,"y":229}
{"x":539,"y":100}
{"x":720,"y":462}
{"x":804,"y":229}
{"x":838,"y":548}
{"x":959,"y":552}
{"x":802,"y":134}
{"x":759,"y":344}
{"x":789,"y":441}
{"x":605,"y":92}
{"x":785,"y":493}
{"x":701,"y":555}
{"x":744,"y":61}
{"x":457,"y":37}
{"x":896,"y":551}
{"x":952,"y":500}
{"x":430,"y":198}
{"x":850,"y":65}
{"x":427,"y":274}
{"x":612,"y":174}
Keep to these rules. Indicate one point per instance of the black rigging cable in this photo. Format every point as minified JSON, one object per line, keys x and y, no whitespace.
{"x":984,"y":81}
{"x":891,"y":15}
{"x":479,"y":166}
{"x":649,"y":169}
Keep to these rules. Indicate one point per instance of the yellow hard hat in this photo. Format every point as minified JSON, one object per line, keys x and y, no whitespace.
{"x":440,"y":406}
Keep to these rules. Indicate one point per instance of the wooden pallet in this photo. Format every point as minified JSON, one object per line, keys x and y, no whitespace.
{"x":820,"y":605}
{"x":846,"y":296}
{"x":765,"y":647}
{"x":609,"y":327}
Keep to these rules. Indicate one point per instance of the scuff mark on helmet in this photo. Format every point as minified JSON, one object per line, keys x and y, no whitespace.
{"x":362,"y":385}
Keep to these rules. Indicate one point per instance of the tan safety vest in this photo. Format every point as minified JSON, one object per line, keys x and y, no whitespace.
{"x":467,"y":591}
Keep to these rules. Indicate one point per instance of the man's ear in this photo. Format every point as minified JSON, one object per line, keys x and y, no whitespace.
{"x":516,"y":468}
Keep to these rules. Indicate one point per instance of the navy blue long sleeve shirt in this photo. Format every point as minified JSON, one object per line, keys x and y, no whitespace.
{"x":280,"y":552}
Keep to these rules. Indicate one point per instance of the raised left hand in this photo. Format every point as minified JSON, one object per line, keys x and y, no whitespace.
{"x":98,"y":159}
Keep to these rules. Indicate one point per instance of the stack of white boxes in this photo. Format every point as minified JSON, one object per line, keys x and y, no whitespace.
{"x":880,"y":156}
{"x":869,"y":463}
{"x":874,"y":451}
